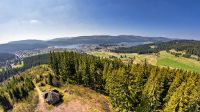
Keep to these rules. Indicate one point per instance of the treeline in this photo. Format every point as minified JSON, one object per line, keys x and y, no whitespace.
{"x":14,"y":90}
{"x":35,"y":60}
{"x":140,"y":88}
{"x":28,"y":63}
{"x":189,"y":46}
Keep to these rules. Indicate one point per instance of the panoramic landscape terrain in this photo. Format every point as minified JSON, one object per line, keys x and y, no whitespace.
{"x":99,"y":56}
{"x":143,"y":75}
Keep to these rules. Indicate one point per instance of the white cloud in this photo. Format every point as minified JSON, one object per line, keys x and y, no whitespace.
{"x":34,"y":21}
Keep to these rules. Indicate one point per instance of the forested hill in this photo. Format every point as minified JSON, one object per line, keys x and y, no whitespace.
{"x":106,"y":39}
{"x":190,"y":46}
{"x":6,"y":56}
{"x":97,"y":39}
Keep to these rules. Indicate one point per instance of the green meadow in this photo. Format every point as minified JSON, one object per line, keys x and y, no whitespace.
{"x":164,"y":59}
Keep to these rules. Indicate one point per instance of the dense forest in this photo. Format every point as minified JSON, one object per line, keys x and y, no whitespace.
{"x":6,"y":56}
{"x":189,"y":46}
{"x":131,"y":87}
{"x":28,"y":63}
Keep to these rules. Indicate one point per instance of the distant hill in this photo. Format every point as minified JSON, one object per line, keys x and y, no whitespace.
{"x":10,"y":47}
{"x":189,"y":46}
{"x":96,"y":39}
{"x":105,"y":39}
{"x":31,"y":41}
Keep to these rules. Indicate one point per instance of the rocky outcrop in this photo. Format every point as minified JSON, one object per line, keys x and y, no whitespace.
{"x":52,"y":97}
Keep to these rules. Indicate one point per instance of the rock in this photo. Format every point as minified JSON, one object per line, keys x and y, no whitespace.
{"x":52,"y":97}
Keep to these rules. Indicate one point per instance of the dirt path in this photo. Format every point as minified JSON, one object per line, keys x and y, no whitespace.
{"x":72,"y":106}
{"x":41,"y":104}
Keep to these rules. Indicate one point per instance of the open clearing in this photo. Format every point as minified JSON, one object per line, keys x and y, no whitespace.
{"x":125,"y":57}
{"x":164,"y":59}
{"x":76,"y":98}
{"x":19,"y":65}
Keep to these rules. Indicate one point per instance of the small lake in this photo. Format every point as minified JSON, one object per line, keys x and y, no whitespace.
{"x":75,"y":46}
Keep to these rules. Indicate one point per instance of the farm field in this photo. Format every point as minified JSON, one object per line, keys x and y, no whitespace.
{"x":164,"y":59}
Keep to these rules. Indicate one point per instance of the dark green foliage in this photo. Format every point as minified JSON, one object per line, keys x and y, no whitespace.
{"x":80,"y":68}
{"x":187,"y":55}
{"x":35,"y":60}
{"x":5,"y":103}
{"x":141,"y":87}
{"x":49,"y":79}
{"x":15,"y":89}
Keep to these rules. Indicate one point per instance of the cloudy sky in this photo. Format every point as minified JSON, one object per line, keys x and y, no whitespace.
{"x":46,"y":19}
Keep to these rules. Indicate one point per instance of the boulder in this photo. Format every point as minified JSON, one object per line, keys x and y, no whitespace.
{"x":52,"y":97}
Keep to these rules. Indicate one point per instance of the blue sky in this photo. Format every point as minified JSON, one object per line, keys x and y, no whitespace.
{"x":46,"y":19}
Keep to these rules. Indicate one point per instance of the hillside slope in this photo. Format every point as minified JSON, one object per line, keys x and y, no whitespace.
{"x":75,"y":97}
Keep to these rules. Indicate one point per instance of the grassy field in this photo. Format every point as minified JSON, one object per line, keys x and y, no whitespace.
{"x":125,"y":57}
{"x":164,"y":59}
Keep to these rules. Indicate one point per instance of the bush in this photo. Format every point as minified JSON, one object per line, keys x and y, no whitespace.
{"x":187,"y":55}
